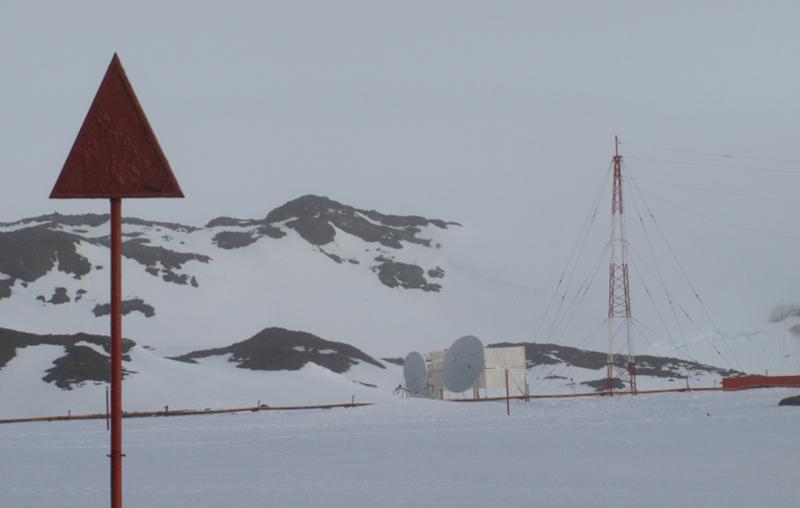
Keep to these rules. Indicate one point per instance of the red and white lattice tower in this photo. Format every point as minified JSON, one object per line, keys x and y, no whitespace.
{"x":619,"y":296}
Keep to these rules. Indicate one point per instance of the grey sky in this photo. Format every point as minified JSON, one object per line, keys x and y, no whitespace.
{"x":499,"y":115}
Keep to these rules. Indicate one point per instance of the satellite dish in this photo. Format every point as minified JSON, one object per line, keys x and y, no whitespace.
{"x":415,"y":373}
{"x":463,"y":364}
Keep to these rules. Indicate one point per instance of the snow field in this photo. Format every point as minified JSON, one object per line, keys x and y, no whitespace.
{"x":671,"y":450}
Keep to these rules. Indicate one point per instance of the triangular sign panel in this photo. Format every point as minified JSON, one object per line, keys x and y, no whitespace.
{"x":116,"y":153}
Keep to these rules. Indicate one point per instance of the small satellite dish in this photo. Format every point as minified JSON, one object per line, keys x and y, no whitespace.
{"x":415,"y":373}
{"x":463,"y":364}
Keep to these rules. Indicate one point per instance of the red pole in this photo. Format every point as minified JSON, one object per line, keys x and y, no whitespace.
{"x":116,"y":353}
{"x":508,"y":397}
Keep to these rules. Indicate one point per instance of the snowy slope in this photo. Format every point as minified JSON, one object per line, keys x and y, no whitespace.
{"x":773,"y":348}
{"x":287,"y":281}
{"x":385,"y":284}
{"x":160,"y":382}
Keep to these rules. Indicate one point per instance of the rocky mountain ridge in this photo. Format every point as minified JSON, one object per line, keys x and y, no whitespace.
{"x":31,"y":248}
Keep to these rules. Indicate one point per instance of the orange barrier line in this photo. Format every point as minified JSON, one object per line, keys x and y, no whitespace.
{"x":183,"y":412}
{"x":589,"y":394}
{"x":256,"y":409}
{"x":747,"y":382}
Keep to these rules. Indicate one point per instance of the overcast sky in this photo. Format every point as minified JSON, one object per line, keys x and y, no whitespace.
{"x":499,"y":115}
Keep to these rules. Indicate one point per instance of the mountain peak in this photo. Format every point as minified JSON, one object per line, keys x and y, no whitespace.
{"x":315,"y":217}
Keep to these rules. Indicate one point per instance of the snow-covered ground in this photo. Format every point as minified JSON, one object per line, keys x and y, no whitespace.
{"x":672,"y":450}
{"x":212,"y":383}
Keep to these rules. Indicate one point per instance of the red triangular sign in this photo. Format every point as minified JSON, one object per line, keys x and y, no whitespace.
{"x":116,"y":154}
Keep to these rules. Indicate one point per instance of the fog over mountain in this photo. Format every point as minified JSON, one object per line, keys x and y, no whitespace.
{"x":488,"y":129}
{"x":498,"y":116}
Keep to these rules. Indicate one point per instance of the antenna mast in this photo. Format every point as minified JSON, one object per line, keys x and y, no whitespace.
{"x":619,"y":297}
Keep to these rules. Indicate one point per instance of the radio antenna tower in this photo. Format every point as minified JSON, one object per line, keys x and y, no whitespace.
{"x":619,"y":297}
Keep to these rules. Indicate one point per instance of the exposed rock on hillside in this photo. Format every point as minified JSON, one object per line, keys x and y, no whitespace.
{"x":5,"y":287}
{"x":234,"y":239}
{"x":601,"y":385}
{"x":281,"y":349}
{"x":646,"y":365}
{"x":396,"y":274}
{"x":128,"y":306}
{"x":37,"y":245}
{"x":94,"y":220}
{"x":237,"y":239}
{"x":80,"y":364}
{"x":316,"y":218}
{"x":30,"y":253}
{"x":59,"y":296}
{"x":160,"y":261}
{"x":31,"y":248}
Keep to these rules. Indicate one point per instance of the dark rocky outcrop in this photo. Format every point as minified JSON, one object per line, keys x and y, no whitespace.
{"x":396,"y":274}
{"x":158,"y":261}
{"x":238,"y":239}
{"x":174,"y":226}
{"x":128,"y":306}
{"x":36,"y":245}
{"x":94,"y":220}
{"x":79,"y":364}
{"x":270,"y":231}
{"x":151,"y":256}
{"x":790,"y":401}
{"x":57,"y":219}
{"x":228,"y":222}
{"x":314,"y":218}
{"x":29,"y":253}
{"x":59,"y":296}
{"x":646,"y":365}
{"x":395,"y":361}
{"x":334,"y":257}
{"x":282,"y":349}
{"x":5,"y":287}
{"x":601,"y":385}
{"x":233,"y":239}
{"x":436,"y":273}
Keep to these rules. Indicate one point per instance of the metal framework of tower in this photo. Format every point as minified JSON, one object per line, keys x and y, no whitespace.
{"x":619,"y":296}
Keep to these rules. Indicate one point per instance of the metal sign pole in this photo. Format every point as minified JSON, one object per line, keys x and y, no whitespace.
{"x":508,"y":397}
{"x":116,"y":353}
{"x":116,"y":155}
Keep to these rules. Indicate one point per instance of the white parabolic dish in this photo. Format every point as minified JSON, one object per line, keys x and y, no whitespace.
{"x":415,"y":373}
{"x":463,"y":364}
